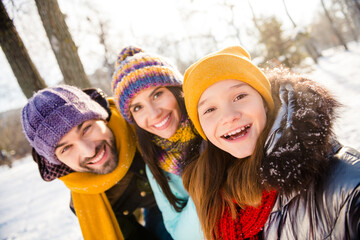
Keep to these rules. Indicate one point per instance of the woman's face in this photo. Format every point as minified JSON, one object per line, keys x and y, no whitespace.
{"x":232,"y":115}
{"x":156,"y":110}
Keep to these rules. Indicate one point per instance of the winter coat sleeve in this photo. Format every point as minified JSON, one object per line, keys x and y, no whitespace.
{"x":354,"y":218}
{"x":353,"y":211}
{"x":182,"y":225}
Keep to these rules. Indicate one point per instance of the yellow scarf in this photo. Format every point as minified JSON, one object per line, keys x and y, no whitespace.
{"x":96,"y":217}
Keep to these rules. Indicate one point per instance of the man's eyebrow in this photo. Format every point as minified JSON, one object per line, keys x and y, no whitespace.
{"x":150,"y":95}
{"x":78,"y":128}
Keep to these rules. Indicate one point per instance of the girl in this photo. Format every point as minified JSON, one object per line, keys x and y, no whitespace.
{"x":272,"y":168}
{"x":147,"y":91}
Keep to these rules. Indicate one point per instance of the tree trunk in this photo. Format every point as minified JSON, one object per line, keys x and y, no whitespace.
{"x":348,"y":21}
{"x":62,"y":44}
{"x":335,"y":31}
{"x":357,"y":5}
{"x":20,"y":62}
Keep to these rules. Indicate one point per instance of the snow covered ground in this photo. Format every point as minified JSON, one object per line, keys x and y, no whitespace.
{"x":339,"y":71}
{"x":33,"y":209}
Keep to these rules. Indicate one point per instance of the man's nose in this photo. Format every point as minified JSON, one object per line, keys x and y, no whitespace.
{"x":87,"y":148}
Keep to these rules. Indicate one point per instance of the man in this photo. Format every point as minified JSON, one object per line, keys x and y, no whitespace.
{"x":80,"y":138}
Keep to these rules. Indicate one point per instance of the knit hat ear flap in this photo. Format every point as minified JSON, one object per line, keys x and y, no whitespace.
{"x":127,"y":52}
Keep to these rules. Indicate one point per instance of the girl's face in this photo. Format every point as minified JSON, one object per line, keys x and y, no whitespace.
{"x":156,"y":110}
{"x":232,"y":115}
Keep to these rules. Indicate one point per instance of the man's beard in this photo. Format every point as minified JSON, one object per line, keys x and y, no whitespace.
{"x":111,"y":162}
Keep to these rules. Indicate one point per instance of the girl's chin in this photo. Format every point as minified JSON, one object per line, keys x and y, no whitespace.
{"x":239,"y":154}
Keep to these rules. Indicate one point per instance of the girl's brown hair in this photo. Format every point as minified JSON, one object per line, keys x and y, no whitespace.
{"x":151,"y":152}
{"x":216,"y":179}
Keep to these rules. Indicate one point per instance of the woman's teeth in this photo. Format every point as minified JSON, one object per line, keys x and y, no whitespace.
{"x":162,"y":123}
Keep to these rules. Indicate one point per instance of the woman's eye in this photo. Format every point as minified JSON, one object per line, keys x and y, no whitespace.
{"x":240,"y":96}
{"x":136,"y":108}
{"x":158,"y":94}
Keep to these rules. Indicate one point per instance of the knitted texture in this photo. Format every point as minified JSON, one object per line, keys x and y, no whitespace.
{"x":173,"y":149}
{"x":136,"y":70}
{"x":249,"y":222}
{"x":88,"y":189}
{"x":52,"y":112}
{"x":49,"y":171}
{"x":229,"y":63}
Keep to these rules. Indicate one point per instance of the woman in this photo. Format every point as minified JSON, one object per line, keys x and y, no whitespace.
{"x":147,"y":91}
{"x":271,"y":168}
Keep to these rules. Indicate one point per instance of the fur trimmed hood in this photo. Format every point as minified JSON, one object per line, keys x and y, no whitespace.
{"x":298,"y":146}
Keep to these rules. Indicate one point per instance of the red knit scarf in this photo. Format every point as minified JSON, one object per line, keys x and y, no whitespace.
{"x":249,"y":221}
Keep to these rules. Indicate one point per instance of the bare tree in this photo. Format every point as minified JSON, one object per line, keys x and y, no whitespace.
{"x":254,"y":17}
{"x":231,"y":7}
{"x":304,"y":37}
{"x":62,"y":44}
{"x":332,"y":25}
{"x":20,"y":62}
{"x":357,"y":4}
{"x":348,"y":20}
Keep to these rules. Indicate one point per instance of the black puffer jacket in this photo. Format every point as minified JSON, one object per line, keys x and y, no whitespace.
{"x":318,"y":180}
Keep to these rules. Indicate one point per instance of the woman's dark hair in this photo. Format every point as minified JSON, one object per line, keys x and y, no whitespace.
{"x":151,"y":152}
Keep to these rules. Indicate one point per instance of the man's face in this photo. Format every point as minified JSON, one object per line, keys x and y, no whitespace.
{"x":89,"y":147}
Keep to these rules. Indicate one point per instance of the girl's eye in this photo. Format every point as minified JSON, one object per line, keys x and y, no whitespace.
{"x":240,"y":96}
{"x":209,"y":110}
{"x":157,"y":94}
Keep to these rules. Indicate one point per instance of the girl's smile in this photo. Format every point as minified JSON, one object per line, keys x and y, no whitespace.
{"x":238,"y":133}
{"x":232,"y":115}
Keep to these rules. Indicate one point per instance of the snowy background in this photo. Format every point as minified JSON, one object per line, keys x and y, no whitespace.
{"x":33,"y":209}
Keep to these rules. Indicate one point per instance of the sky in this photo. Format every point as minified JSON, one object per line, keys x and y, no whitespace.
{"x":31,"y":209}
{"x":128,"y":21}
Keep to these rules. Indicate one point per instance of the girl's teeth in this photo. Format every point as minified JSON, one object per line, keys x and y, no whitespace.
{"x":162,"y":122}
{"x":236,"y":132}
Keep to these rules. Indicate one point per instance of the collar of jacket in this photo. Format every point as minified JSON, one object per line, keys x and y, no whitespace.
{"x":303,"y":145}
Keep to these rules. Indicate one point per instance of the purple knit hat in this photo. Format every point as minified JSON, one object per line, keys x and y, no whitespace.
{"x":53,"y":112}
{"x":136,"y":70}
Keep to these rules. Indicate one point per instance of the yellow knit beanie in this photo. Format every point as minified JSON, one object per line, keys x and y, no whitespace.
{"x":230,"y":63}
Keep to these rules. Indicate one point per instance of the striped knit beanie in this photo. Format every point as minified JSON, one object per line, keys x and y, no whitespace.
{"x":52,"y":112}
{"x":136,"y":70}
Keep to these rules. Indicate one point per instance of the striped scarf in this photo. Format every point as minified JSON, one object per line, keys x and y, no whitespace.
{"x":173,"y":149}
